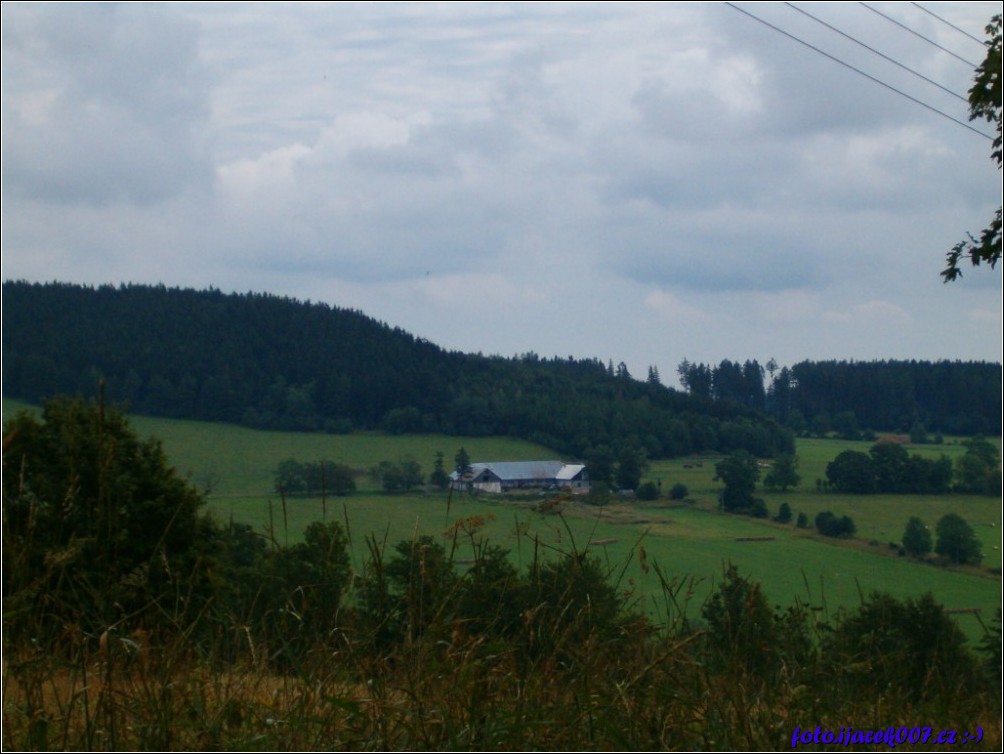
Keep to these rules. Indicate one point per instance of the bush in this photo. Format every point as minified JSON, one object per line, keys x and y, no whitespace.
{"x":314,"y":478}
{"x":783,"y":473}
{"x":783,"y":514}
{"x":910,"y":647}
{"x":740,"y":473}
{"x":301,"y":590}
{"x":741,"y":630}
{"x":568,"y":601}
{"x":831,"y":526}
{"x":678,"y":491}
{"x":916,"y":538}
{"x":97,"y":525}
{"x":401,"y":476}
{"x":852,"y":471}
{"x":648,"y":491}
{"x":957,"y":541}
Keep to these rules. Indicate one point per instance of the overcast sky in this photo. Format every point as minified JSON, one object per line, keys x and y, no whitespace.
{"x":639,"y":182}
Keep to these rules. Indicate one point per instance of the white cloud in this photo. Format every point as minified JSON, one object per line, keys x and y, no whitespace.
{"x":875,"y":314}
{"x":567,"y":177}
{"x":786,"y":307}
{"x":271,"y":174}
{"x":101,"y":104}
{"x":675,"y":311}
{"x":986,"y":317}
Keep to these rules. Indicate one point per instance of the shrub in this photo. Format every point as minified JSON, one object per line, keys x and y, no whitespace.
{"x":741,"y":631}
{"x":648,"y":491}
{"x":783,"y":473}
{"x":852,"y":471}
{"x":910,"y":647}
{"x":678,"y":491}
{"x":916,"y":538}
{"x":831,"y":526}
{"x":740,"y":473}
{"x":783,"y":514}
{"x":97,"y":524}
{"x":314,"y":478}
{"x":301,"y":590}
{"x":957,"y":541}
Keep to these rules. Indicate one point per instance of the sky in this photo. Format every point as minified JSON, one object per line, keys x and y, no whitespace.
{"x":634,"y":182}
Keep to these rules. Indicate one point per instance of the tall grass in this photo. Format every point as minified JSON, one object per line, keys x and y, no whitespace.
{"x":559,"y":677}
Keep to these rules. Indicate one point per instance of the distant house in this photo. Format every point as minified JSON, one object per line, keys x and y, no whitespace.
{"x":502,"y":476}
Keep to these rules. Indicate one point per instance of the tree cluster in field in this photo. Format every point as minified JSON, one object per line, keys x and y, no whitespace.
{"x":616,"y":471}
{"x":855,"y":399}
{"x":889,"y":468}
{"x":314,"y":478}
{"x":740,"y":472}
{"x":830,"y":525}
{"x":318,"y":478}
{"x":956,"y":540}
{"x":398,"y":476}
{"x":277,"y":363}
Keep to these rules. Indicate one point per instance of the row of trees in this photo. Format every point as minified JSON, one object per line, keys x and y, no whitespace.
{"x":313,"y":478}
{"x":851,"y":398}
{"x":956,"y":540}
{"x":740,"y":473}
{"x":886,"y":468}
{"x":398,"y":476}
{"x":889,"y":468}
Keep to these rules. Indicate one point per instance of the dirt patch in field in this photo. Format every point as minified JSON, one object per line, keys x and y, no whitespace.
{"x":616,"y":513}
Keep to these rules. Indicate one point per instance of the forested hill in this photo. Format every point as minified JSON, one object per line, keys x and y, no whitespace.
{"x":852,"y":397}
{"x":273,"y":362}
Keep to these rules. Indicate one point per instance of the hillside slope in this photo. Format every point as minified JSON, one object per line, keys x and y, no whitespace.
{"x":273,"y":362}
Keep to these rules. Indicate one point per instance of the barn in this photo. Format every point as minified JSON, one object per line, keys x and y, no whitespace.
{"x":503,"y":476}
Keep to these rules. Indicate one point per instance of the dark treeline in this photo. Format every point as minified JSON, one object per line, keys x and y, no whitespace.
{"x":848,"y":397}
{"x":277,"y":363}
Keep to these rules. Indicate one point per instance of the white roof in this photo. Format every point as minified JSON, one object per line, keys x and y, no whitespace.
{"x":516,"y":470}
{"x":569,"y":471}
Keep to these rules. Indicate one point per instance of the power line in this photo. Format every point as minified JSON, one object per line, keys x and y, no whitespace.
{"x":880,"y":54}
{"x":948,"y":23}
{"x":917,"y":34}
{"x":860,"y":72}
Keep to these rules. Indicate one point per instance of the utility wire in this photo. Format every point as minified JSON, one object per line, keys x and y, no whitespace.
{"x":880,"y":54}
{"x":949,"y":23}
{"x":859,"y":71}
{"x":917,"y":34}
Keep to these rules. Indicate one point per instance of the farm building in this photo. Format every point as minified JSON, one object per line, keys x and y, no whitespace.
{"x":502,"y":476}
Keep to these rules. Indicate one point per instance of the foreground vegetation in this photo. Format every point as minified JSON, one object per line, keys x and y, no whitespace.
{"x":131,"y":620}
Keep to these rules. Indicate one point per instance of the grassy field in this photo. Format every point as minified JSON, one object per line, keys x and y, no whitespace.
{"x":690,"y":543}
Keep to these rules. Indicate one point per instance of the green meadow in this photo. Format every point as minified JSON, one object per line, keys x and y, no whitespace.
{"x":686,"y":545}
